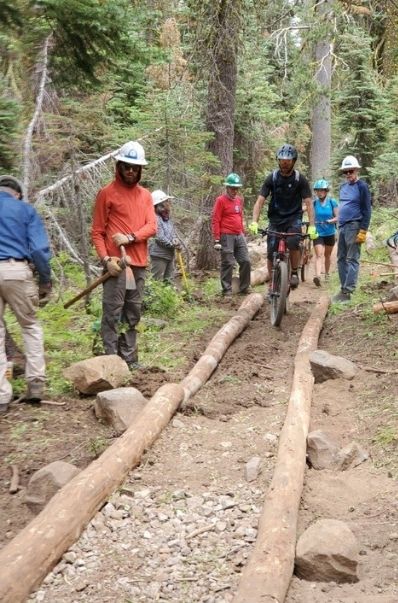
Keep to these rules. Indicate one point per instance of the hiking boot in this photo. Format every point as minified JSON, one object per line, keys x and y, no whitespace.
{"x":294,"y":280}
{"x":342,"y":297}
{"x":35,"y":392}
{"x":327,"y":277}
{"x":246,"y":291}
{"x":317,"y":281}
{"x":135,"y":366}
{"x":226,"y":293}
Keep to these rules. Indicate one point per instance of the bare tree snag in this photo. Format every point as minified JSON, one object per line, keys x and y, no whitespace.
{"x":27,"y":147}
{"x":28,"y":558}
{"x":390,"y":307}
{"x":267,"y":575}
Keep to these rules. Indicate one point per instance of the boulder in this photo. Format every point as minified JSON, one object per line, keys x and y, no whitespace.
{"x":327,"y":552}
{"x":45,"y":482}
{"x":322,"y":450}
{"x":327,"y":366}
{"x":119,"y":407}
{"x":98,"y":374}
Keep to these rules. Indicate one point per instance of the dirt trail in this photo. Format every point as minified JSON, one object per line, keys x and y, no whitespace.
{"x":183,"y":524}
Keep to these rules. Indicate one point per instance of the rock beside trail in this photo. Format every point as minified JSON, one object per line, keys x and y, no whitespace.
{"x":327,"y":552}
{"x":45,"y":482}
{"x":327,"y":366}
{"x":252,"y":468}
{"x":350,"y":456}
{"x":98,"y":374}
{"x":322,"y":450}
{"x":119,"y":407}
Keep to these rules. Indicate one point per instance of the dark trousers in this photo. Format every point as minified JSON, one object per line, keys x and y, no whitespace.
{"x":234,"y":249}
{"x":120,"y":305}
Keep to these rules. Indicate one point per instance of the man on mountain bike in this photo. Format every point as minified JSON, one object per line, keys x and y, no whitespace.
{"x":289,"y":190}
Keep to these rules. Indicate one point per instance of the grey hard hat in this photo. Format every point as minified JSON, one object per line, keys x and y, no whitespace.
{"x":11,"y":182}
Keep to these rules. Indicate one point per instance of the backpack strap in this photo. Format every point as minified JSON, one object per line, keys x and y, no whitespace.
{"x":296,"y":175}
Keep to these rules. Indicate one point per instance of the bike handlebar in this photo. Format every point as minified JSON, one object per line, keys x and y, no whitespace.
{"x":265,"y":231}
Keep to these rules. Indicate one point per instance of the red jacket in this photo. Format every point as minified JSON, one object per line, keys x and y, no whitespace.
{"x":227,"y":216}
{"x":124,"y":209}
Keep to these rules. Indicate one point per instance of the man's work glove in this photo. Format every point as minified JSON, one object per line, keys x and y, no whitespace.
{"x":112,"y":265}
{"x":361,"y":236}
{"x":312,"y":232}
{"x":217,"y":245}
{"x":44,"y":293}
{"x":176,"y":244}
{"x":253,"y":228}
{"x":123,"y":239}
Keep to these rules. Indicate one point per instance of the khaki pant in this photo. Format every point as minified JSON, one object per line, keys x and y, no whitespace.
{"x":19,"y":290}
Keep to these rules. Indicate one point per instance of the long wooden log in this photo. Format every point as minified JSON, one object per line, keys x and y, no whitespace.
{"x":266,"y":577}
{"x":27,"y":559}
{"x":390,"y":307}
{"x":257,"y":277}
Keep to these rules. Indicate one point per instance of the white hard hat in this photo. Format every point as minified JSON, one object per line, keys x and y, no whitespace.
{"x":159,"y":196}
{"x":131,"y":152}
{"x":350,"y":162}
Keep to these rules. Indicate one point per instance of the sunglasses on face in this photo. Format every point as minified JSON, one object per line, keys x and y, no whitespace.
{"x":348,"y":172}
{"x":127,"y":167}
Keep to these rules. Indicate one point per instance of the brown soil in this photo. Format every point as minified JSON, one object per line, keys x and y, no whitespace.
{"x":238,"y":414}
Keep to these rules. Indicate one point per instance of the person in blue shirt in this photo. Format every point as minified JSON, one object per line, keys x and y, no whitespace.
{"x":23,"y":241}
{"x":325,"y":210}
{"x":354,"y":217}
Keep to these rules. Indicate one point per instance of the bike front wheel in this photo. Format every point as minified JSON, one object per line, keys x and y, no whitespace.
{"x":279,"y":293}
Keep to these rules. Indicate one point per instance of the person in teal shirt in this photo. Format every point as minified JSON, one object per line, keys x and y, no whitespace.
{"x":325,"y":210}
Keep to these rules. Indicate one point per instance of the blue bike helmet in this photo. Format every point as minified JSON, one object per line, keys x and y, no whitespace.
{"x":287,"y":151}
{"x":321,"y":184}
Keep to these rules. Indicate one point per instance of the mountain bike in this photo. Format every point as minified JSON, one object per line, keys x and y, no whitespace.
{"x":280,"y":276}
{"x":305,"y":252}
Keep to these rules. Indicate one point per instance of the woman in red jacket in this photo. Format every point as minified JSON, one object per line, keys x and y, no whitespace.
{"x":229,"y":238}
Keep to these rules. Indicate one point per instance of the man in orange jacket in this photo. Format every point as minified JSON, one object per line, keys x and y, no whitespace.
{"x":123,"y":216}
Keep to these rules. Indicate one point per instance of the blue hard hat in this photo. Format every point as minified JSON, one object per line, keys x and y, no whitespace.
{"x":321,"y":184}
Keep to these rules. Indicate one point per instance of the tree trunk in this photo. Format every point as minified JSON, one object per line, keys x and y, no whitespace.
{"x":222,"y":47}
{"x":321,"y":116}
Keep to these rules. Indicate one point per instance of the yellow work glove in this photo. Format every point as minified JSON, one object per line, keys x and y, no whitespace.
{"x":113,"y":267}
{"x":312,"y":232}
{"x":253,"y":228}
{"x":361,"y":236}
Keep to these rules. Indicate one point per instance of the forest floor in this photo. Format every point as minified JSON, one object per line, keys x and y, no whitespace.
{"x":178,"y":540}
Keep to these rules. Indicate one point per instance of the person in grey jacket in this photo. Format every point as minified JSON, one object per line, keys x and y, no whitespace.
{"x":162,"y":247}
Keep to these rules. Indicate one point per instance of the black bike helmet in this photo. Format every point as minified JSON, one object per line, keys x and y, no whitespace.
{"x":287,"y":151}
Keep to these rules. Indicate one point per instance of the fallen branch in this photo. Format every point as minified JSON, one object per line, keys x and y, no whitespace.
{"x":199,"y":531}
{"x":378,"y":263}
{"x":390,"y":307}
{"x":267,"y":575}
{"x":14,"y":486}
{"x":372,"y":369}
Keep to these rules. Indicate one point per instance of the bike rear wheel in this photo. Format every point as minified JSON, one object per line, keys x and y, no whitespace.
{"x":279,"y":293}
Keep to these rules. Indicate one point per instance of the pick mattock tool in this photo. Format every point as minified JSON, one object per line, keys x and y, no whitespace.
{"x":125,"y":263}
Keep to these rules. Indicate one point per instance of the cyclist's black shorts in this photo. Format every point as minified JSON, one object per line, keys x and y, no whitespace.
{"x":329,"y":241}
{"x":292,"y":225}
